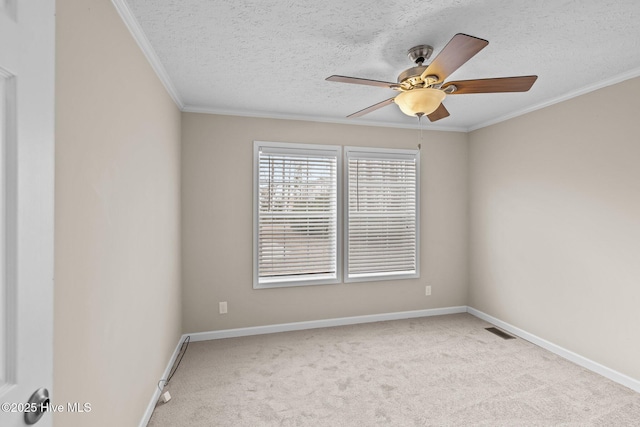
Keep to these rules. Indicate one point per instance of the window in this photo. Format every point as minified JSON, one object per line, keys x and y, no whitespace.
{"x":295,"y":214}
{"x":296,"y":223}
{"x":381,"y":214}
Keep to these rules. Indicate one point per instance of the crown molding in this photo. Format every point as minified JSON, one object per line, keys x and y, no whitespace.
{"x":573,"y":94}
{"x":344,"y":121}
{"x":141,"y":39}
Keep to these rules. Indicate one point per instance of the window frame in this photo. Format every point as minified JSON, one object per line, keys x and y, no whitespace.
{"x":296,"y":148}
{"x":379,"y":153}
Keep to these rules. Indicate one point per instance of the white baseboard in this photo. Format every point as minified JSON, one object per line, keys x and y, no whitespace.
{"x":342,"y":321}
{"x":609,"y":373}
{"x":324,"y":323}
{"x":156,"y":395}
{"x":296,"y":326}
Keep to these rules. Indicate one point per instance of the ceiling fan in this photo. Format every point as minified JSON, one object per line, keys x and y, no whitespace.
{"x":422,"y":88}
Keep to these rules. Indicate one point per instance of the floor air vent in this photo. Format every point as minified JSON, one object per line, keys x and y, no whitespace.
{"x":501,"y":334}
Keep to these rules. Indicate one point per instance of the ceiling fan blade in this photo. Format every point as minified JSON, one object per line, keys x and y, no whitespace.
{"x":359,"y":81}
{"x":440,"y":113}
{"x":502,"y":84}
{"x":459,"y":50}
{"x":372,"y":108}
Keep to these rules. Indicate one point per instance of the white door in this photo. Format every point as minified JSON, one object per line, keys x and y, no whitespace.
{"x":27,"y":41}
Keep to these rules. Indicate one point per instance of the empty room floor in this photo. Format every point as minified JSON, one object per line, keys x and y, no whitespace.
{"x":431,"y":371}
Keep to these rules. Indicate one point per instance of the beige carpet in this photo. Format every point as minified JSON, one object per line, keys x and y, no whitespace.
{"x":435,"y":371}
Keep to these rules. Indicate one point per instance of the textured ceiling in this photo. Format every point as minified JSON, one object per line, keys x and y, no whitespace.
{"x":271,"y":58}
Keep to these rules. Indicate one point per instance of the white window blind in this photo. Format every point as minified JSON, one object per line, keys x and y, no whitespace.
{"x":382,"y":216}
{"x":297,"y":204}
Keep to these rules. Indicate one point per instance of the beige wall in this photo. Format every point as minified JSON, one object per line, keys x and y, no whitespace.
{"x":547,"y":206}
{"x":555,"y":224}
{"x":217,"y":157}
{"x":117,"y":233}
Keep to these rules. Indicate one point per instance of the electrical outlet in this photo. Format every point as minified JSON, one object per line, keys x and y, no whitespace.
{"x":223,"y":307}
{"x":427,"y":290}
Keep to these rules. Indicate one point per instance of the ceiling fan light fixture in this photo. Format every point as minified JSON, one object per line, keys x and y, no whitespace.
{"x":422,"y":101}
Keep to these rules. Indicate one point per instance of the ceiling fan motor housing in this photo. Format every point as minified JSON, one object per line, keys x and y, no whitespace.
{"x":412,"y":75}
{"x":420,"y":53}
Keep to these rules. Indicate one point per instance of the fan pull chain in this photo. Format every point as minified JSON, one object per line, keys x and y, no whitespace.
{"x":420,"y":124}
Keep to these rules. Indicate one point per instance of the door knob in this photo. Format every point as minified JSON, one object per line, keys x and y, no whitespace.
{"x":38,"y":404}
